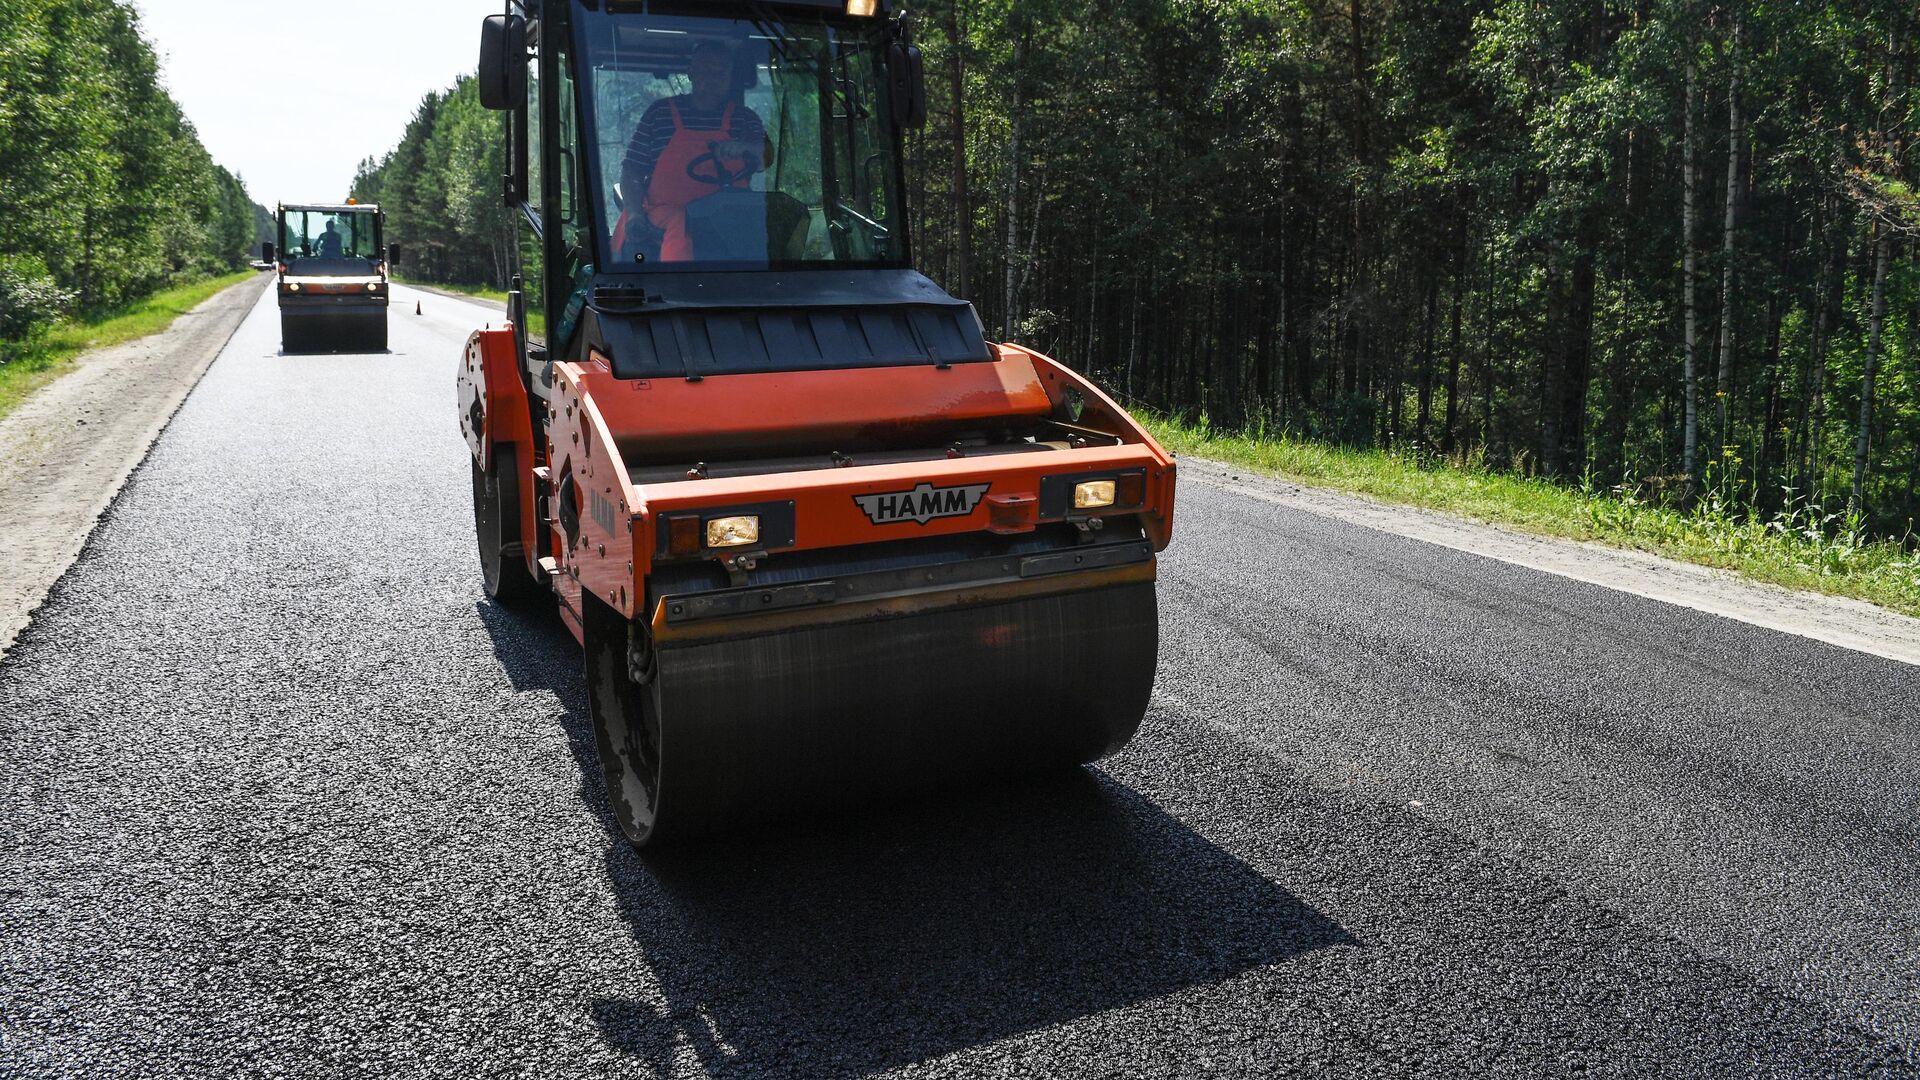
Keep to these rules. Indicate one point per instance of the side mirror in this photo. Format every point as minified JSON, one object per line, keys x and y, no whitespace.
{"x":266,"y":251}
{"x":503,"y":62}
{"x":393,"y":255}
{"x":907,"y":84}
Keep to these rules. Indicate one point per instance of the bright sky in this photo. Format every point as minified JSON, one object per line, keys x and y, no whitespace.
{"x":292,"y":96}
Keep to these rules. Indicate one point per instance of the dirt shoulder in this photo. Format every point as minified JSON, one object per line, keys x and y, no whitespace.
{"x":1849,"y":624}
{"x":67,"y":449}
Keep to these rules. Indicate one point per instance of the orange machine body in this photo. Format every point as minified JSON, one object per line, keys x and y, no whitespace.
{"x":630,"y":453}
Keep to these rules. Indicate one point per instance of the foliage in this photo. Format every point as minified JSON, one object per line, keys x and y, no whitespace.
{"x":30,"y":300}
{"x":105,"y":189}
{"x":1445,"y":223}
{"x":440,"y":188}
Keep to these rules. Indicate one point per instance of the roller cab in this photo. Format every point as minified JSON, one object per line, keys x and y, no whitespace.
{"x":820,"y":540}
{"x":331,"y":264}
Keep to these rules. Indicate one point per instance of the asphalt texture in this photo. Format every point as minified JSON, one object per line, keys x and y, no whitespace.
{"x":283,"y":797}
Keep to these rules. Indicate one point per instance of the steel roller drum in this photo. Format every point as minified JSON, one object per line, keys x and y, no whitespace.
{"x":800,"y":722}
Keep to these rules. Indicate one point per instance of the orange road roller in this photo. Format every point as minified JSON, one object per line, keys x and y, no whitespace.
{"x":331,"y":276}
{"x":821,"y":542}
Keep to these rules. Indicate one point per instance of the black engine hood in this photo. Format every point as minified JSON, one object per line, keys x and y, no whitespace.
{"x":741,"y":322}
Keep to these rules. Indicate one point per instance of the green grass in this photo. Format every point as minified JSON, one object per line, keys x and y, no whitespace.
{"x":1799,"y":548}
{"x":483,"y":292}
{"x":38,"y":364}
{"x":536,"y":322}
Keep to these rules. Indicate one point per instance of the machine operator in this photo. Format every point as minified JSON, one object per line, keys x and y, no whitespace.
{"x":677,"y":132}
{"x":329,"y":246}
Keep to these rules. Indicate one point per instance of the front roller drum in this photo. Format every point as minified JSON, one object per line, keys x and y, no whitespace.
{"x":318,"y":331}
{"x":712,"y":736}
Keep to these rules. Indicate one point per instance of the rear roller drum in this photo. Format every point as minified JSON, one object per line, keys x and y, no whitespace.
{"x":496,"y":524}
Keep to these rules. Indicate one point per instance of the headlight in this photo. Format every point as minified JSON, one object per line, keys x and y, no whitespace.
{"x":373,"y":286}
{"x":1092,"y":494}
{"x":736,"y":531}
{"x":293,"y":286}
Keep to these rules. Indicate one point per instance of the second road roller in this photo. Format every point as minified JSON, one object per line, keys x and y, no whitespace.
{"x":820,"y":540}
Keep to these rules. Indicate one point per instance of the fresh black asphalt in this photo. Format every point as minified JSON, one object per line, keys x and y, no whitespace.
{"x":283,"y":797}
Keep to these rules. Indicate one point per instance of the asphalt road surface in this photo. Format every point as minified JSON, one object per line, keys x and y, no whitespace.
{"x":283,"y":797}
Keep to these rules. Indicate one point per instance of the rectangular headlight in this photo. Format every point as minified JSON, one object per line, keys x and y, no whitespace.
{"x":1092,"y":494}
{"x":736,"y":531}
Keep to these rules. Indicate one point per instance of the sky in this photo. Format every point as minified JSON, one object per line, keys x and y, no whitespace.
{"x":291,"y":96}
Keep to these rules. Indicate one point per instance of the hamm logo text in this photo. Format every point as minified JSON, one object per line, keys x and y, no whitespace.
{"x":921,"y":505}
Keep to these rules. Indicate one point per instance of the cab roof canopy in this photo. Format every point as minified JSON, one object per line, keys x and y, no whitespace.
{"x":332,"y":208}
{"x":736,"y":8}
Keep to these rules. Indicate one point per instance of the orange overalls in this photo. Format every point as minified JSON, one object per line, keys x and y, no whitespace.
{"x":671,"y":189}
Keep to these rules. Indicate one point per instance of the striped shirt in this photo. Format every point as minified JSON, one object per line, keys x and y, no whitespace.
{"x":655,"y":131}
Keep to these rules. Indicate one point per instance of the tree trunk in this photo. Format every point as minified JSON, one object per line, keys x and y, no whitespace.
{"x":1725,"y":382}
{"x":1863,"y":443}
{"x":1133,"y":336}
{"x":1093,"y":301}
{"x":1690,"y":438}
{"x":1576,"y":345}
{"x":1831,"y":265}
{"x":1013,"y":199}
{"x":1462,"y":281}
{"x":1031,"y":258}
{"x":962,"y":200}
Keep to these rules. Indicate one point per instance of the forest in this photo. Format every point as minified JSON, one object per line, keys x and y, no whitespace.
{"x":1669,"y":247}
{"x":106,"y":193}
{"x":440,"y":189}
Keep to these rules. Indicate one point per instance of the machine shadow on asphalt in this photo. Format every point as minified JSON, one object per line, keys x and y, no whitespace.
{"x":887,"y":936}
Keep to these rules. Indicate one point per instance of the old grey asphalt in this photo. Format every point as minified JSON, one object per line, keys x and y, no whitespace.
{"x":282,"y":797}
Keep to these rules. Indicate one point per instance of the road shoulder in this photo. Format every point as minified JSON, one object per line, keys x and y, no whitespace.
{"x":1838,"y":621}
{"x":66,"y":451}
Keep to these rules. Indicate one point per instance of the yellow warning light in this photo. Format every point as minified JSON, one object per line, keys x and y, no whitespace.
{"x":1092,"y":494}
{"x":353,"y":202}
{"x":861,"y":9}
{"x":736,"y":531}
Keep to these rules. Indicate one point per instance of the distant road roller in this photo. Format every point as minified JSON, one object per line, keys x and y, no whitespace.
{"x":331,"y":270}
{"x":820,"y":540}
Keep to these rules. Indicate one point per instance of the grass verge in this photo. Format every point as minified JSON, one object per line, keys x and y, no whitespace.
{"x":536,"y":322}
{"x":43,"y":361}
{"x":1798,"y":548}
{"x":481,"y":292}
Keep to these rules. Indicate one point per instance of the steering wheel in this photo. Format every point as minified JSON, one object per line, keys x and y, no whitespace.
{"x":716,"y":171}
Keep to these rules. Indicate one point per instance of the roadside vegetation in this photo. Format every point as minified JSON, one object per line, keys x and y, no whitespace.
{"x":478,"y":292}
{"x":34,"y":365}
{"x":440,"y":188}
{"x":107,"y":197}
{"x":1796,"y":545}
{"x":536,"y":321}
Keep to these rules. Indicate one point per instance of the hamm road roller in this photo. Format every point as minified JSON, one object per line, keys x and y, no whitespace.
{"x":819,"y":539}
{"x":332,"y":276}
